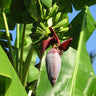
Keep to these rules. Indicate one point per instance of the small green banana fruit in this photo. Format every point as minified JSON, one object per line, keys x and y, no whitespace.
{"x":62,"y":29}
{"x":53,"y":10}
{"x":58,"y":15}
{"x":61,"y":23}
{"x":46,"y":29}
{"x":44,"y":11}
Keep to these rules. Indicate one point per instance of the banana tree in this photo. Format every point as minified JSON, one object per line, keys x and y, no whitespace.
{"x":40,"y":24}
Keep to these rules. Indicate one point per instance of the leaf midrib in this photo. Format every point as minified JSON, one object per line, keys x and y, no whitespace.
{"x":81,"y":39}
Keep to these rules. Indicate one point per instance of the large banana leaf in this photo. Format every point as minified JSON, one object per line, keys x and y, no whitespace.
{"x":46,"y":3}
{"x":44,"y":87}
{"x":11,"y":23}
{"x":83,"y":80}
{"x":76,"y":77}
{"x":66,"y":6}
{"x":5,"y":4}
{"x":33,"y":71}
{"x":85,"y":19}
{"x":9,"y":81}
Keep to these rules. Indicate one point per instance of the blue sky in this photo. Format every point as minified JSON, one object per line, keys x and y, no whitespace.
{"x":91,"y":43}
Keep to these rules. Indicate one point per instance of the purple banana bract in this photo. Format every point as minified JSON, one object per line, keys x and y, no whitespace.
{"x":53,"y":59}
{"x":53,"y":65}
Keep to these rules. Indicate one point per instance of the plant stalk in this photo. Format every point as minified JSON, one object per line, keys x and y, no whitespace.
{"x":21,"y":54}
{"x":17,"y":47}
{"x":40,"y":8}
{"x":27,"y":65}
{"x":8,"y":38}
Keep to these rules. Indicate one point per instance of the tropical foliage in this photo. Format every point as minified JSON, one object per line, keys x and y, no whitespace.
{"x":19,"y":75}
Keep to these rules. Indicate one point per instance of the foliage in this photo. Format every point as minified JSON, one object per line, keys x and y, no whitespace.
{"x":33,"y":19}
{"x":9,"y":80}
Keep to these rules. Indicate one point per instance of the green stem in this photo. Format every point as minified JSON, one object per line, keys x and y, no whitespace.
{"x":8,"y":38}
{"x":17,"y":47}
{"x":21,"y":54}
{"x":27,"y":65}
{"x":40,"y":8}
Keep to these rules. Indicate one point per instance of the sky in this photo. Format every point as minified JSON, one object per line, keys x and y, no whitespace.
{"x":91,"y":43}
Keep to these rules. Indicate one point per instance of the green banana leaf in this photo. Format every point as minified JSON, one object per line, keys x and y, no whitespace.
{"x":9,"y":81}
{"x":44,"y":88}
{"x":66,"y":6}
{"x":85,"y":18}
{"x":20,"y":13}
{"x":33,"y":72}
{"x":5,"y":4}
{"x":32,"y":8}
{"x":46,"y":3}
{"x":79,"y":5}
{"x":11,"y":23}
{"x":76,"y":77}
{"x":84,"y":81}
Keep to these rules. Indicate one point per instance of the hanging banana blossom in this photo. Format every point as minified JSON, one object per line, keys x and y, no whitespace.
{"x":53,"y":57}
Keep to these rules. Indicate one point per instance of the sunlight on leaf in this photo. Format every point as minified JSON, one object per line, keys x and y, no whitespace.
{"x":9,"y":80}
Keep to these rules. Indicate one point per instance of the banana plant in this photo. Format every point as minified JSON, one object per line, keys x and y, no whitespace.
{"x":39,"y":24}
{"x":53,"y":60}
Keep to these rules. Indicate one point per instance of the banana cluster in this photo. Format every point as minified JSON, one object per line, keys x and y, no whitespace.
{"x":51,"y":17}
{"x":55,"y":18}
